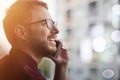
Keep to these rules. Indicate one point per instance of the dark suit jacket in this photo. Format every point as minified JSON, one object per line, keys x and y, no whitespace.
{"x":19,"y":66}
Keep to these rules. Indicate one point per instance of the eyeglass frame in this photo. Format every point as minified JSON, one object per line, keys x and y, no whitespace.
{"x":54,"y":23}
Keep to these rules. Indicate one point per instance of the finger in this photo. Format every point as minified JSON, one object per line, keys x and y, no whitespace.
{"x":64,"y":53}
{"x":53,"y":58}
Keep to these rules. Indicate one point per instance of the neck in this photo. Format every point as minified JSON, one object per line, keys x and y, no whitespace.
{"x":31,"y":54}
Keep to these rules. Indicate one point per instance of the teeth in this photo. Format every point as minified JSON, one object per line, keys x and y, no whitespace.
{"x":52,"y":39}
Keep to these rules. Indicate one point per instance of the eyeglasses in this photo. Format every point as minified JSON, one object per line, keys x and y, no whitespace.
{"x":50,"y":23}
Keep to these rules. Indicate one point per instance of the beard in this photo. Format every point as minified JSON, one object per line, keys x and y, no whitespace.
{"x":41,"y":47}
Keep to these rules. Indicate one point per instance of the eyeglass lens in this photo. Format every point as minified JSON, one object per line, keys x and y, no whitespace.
{"x":51,"y":24}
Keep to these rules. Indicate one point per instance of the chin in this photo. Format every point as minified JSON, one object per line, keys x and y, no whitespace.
{"x":53,"y":50}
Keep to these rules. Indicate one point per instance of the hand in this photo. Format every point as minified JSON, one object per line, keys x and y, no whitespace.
{"x":61,"y":65}
{"x":62,"y":59}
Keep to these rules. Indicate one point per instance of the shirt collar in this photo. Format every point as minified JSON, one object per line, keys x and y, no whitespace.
{"x":23,"y":58}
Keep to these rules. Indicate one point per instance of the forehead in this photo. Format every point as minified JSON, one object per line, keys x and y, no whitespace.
{"x":39,"y":13}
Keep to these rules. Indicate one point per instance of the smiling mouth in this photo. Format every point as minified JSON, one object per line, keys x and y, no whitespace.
{"x":53,"y":41}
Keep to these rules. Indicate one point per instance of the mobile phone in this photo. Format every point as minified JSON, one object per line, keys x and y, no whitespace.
{"x":59,"y":46}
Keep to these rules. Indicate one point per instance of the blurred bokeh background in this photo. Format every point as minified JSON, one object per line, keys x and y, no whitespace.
{"x":90,"y":29}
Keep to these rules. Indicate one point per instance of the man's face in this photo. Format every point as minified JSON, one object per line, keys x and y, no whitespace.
{"x":41,"y":37}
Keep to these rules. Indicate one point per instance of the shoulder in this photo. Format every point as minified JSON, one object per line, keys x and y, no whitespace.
{"x":10,"y":67}
{"x":8,"y":63}
{"x":3,"y":60}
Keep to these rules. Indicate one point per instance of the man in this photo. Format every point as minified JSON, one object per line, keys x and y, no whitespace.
{"x":32,"y":34}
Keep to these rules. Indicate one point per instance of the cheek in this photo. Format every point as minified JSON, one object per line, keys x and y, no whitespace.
{"x":40,"y":33}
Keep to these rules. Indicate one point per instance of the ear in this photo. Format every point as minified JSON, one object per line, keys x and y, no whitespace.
{"x":21,"y":32}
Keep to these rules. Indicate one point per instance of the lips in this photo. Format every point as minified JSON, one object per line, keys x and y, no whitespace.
{"x":52,"y":41}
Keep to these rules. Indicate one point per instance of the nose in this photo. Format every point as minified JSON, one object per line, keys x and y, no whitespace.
{"x":55,"y":30}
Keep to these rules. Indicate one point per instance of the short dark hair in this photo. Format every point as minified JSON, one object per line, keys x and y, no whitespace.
{"x":19,"y":13}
